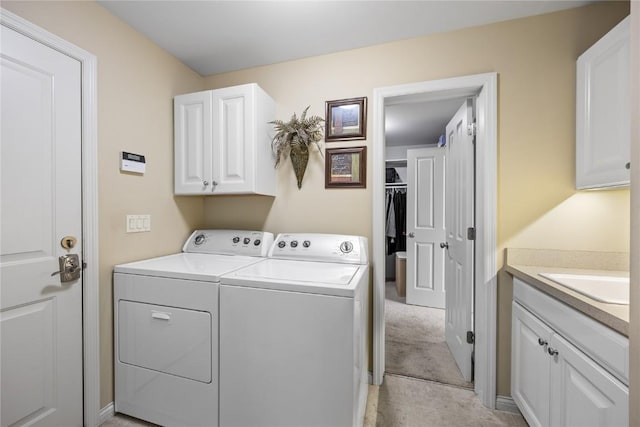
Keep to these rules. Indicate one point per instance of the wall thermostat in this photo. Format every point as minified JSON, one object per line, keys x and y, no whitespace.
{"x":130,"y":162}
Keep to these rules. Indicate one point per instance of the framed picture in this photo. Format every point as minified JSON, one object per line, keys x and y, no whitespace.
{"x":346,"y":119}
{"x":345,"y":167}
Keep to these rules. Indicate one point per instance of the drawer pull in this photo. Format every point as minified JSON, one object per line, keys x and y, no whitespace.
{"x":552,"y":351}
{"x":542,"y":342}
{"x":161,"y":315}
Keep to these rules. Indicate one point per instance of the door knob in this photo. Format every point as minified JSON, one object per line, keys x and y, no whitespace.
{"x":70,"y":268}
{"x":412,"y":234}
{"x":444,"y":245}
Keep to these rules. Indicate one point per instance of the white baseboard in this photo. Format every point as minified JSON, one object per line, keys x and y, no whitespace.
{"x":504,"y":403}
{"x":106,"y":413}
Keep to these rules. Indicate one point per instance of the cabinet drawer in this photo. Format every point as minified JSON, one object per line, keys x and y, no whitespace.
{"x":165,"y":339}
{"x":609,"y":348}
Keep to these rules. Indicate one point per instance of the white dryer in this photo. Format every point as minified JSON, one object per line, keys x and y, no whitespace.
{"x":293,"y":335}
{"x":166,"y":327}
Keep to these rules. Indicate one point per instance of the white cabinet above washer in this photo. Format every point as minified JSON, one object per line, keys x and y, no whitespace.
{"x":603,"y":111}
{"x":222,"y":142}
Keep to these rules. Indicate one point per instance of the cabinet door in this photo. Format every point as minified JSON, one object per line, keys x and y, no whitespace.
{"x":603,"y":111}
{"x":233,"y":140}
{"x":582,"y":392}
{"x":530,"y":366}
{"x":193,"y":143}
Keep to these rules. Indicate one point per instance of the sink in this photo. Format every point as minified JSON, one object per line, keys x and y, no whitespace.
{"x":608,"y":289}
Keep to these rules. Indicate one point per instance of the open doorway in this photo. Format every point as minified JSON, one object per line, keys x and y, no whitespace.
{"x":484,"y":258}
{"x":421,"y":314}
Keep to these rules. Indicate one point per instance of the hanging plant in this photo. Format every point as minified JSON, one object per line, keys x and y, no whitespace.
{"x":293,"y":139}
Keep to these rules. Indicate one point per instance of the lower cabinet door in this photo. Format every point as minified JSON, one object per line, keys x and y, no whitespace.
{"x":582,"y":393}
{"x":530,"y":366}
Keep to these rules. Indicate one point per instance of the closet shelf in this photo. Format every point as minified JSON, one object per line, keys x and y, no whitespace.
{"x":396,"y":163}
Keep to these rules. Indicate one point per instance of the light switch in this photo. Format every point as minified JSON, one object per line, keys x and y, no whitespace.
{"x":138,"y":223}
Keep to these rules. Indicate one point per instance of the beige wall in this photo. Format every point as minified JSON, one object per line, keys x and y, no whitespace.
{"x":535,"y":59}
{"x":538,"y":204}
{"x":136,"y":84}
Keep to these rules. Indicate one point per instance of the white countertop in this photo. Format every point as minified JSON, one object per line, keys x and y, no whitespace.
{"x":615,"y":316}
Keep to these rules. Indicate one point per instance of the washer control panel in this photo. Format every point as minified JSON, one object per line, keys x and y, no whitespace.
{"x":231,"y":242}
{"x":321,"y":247}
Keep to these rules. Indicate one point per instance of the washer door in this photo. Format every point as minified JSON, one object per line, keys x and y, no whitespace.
{"x":166,"y":339}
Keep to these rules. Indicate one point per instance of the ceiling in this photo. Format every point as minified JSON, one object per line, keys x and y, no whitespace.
{"x":418,"y":123}
{"x":214,"y":37}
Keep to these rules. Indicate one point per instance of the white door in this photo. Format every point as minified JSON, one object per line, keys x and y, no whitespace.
{"x":40,"y":317}
{"x":425,"y":226}
{"x":233,"y":136}
{"x":582,"y":392}
{"x":530,"y":366}
{"x":193,"y":143}
{"x":460,"y":216}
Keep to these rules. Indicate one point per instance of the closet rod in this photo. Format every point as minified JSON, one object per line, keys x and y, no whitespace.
{"x":395,"y":185}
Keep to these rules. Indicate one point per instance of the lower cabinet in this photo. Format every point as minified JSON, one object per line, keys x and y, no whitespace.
{"x":582,"y":392}
{"x":530,"y":366}
{"x":554,"y":383}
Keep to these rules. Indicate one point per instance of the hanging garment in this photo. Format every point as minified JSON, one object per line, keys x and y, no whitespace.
{"x":396,"y":220}
{"x":390,"y":223}
{"x":400,"y":210}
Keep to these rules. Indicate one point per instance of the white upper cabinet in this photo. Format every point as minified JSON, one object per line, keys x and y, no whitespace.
{"x":223,"y":143}
{"x":603,"y":111}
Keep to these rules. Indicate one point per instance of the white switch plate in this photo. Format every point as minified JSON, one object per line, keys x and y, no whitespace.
{"x":138,"y":223}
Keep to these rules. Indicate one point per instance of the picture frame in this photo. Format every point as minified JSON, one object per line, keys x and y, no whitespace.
{"x":346,"y":119}
{"x":345,"y":167}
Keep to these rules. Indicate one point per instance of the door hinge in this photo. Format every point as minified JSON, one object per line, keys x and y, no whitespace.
{"x":471,"y":233}
{"x":471,"y":129}
{"x":471,"y":337}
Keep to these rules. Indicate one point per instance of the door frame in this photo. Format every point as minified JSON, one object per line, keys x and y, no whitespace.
{"x":90,"y":279}
{"x":486,"y":218}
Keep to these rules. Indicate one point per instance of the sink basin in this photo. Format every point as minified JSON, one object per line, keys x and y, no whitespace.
{"x":609,"y":289}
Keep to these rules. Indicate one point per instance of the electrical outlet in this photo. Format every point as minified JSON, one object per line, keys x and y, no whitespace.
{"x":138,"y":223}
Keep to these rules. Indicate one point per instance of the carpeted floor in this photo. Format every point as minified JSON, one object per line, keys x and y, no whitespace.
{"x":415,"y":343}
{"x":411,"y":402}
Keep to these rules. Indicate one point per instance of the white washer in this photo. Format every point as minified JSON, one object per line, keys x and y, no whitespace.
{"x":293,"y":335}
{"x":166,"y":327}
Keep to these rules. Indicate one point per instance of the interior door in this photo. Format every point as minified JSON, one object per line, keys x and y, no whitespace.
{"x":460,"y":217}
{"x":40,"y":315}
{"x":425,"y":226}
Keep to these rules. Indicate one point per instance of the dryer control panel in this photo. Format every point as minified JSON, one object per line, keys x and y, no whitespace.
{"x":230,"y":242}
{"x":321,"y":247}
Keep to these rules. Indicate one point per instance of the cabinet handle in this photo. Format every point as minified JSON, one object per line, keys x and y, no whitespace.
{"x":214,"y":183}
{"x":542,"y":342}
{"x":628,"y":165}
{"x":205,"y":183}
{"x":552,"y":351}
